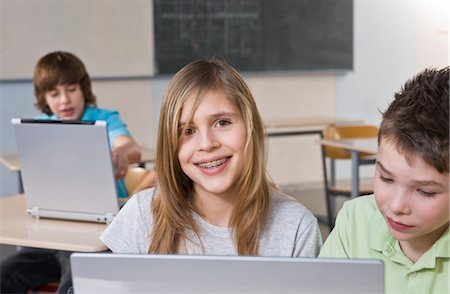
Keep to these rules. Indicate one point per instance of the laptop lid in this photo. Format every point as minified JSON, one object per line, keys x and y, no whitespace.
{"x":125,"y":273}
{"x":66,"y":169}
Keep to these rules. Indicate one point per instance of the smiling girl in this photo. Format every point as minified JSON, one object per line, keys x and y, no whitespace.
{"x":213,"y":194}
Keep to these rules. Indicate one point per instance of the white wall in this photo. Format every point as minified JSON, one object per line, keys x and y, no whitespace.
{"x":114,"y":37}
{"x":393,"y":40}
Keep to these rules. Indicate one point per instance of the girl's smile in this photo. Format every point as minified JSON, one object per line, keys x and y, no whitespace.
{"x":213,"y":164}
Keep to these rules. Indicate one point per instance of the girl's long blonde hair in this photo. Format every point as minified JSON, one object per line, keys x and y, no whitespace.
{"x":171,"y":208}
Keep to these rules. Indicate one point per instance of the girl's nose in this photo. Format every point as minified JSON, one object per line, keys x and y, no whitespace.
{"x":208,"y":141}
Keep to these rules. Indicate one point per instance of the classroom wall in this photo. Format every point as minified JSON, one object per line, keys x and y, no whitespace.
{"x":392,"y":40}
{"x":114,"y":37}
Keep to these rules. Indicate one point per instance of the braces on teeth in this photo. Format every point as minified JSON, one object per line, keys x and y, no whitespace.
{"x":212,"y":163}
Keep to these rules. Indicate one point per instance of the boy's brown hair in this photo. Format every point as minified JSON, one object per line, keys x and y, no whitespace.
{"x":59,"y":68}
{"x":417,"y":121}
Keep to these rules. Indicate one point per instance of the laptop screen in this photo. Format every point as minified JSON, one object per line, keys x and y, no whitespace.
{"x":66,"y":169}
{"x":125,"y":273}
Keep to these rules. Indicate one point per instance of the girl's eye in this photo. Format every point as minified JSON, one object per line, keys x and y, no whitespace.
{"x":72,"y":88}
{"x":223,"y":122}
{"x":425,"y":193}
{"x":187,"y":132}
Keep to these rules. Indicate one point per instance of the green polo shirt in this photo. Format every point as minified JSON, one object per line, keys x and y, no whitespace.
{"x":361,"y":232}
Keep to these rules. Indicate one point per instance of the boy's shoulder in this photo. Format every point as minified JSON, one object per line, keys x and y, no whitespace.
{"x":46,"y":116}
{"x":361,"y":215}
{"x":361,"y":211}
{"x":96,"y":113}
{"x":362,"y":204}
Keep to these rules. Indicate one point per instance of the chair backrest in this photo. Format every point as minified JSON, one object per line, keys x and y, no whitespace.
{"x":335,"y":132}
{"x":134,"y":176}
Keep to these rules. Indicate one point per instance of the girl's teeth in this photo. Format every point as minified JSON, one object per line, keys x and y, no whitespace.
{"x":212,"y":163}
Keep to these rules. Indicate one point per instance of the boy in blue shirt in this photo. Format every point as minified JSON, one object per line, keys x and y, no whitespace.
{"x":62,"y":87}
{"x":405,"y":223}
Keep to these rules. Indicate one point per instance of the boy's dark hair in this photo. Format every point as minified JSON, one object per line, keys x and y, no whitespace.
{"x":417,"y":120}
{"x":58,"y":68}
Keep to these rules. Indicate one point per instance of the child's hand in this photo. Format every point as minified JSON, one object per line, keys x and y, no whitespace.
{"x":125,"y":151}
{"x":120,"y":161}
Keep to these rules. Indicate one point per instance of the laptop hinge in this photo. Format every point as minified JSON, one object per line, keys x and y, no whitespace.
{"x":34,"y":211}
{"x":109,"y":217}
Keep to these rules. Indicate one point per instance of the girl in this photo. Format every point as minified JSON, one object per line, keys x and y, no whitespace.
{"x":213,"y":195}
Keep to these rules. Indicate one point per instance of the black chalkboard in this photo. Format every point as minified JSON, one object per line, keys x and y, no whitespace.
{"x":255,"y":35}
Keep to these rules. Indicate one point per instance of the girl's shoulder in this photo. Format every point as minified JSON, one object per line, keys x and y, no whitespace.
{"x":285,"y":205}
{"x":143,"y":199}
{"x":139,"y":206}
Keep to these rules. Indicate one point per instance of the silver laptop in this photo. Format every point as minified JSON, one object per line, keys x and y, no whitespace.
{"x":66,"y":169}
{"x":125,"y":273}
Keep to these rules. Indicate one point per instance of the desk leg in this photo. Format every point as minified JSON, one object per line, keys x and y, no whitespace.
{"x":20,"y":183}
{"x":355,"y":174}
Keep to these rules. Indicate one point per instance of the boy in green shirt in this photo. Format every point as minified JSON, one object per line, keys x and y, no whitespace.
{"x":405,"y":223}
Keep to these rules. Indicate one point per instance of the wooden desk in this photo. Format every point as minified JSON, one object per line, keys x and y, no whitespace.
{"x":20,"y":229}
{"x":355,"y":147}
{"x":301,"y":126}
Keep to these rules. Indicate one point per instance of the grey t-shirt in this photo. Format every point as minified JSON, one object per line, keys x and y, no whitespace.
{"x":292,"y":230}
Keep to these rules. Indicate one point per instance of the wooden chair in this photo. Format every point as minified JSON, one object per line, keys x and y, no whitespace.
{"x":333,"y":187}
{"x":134,"y":176}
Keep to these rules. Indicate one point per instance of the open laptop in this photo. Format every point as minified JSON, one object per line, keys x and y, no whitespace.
{"x":66,"y":169}
{"x":126,"y":273}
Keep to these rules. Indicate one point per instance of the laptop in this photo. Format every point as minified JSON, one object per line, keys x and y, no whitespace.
{"x":66,"y":169}
{"x":128,"y":273}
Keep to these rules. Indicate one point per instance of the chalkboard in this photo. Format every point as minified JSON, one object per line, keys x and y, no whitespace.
{"x":255,"y":35}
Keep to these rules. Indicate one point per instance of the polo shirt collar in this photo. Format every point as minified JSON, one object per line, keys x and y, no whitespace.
{"x":440,"y":249}
{"x":381,"y":240}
